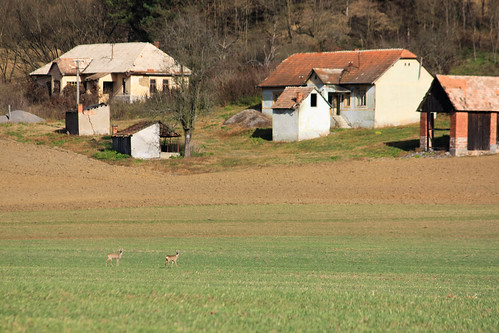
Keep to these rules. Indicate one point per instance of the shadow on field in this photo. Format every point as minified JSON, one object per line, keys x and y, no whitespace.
{"x":439,"y":143}
{"x":407,"y":145}
{"x":263,"y":133}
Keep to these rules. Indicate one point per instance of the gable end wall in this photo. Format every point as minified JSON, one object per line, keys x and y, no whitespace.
{"x":399,"y":91}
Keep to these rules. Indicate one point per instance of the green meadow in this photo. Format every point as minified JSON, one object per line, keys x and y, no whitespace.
{"x":252,"y":268}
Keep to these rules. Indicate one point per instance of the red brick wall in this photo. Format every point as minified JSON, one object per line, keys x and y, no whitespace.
{"x":422,"y":131}
{"x":493,"y":128}
{"x":459,"y":133}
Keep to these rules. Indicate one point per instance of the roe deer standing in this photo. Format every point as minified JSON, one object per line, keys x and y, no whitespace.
{"x":116,"y":256}
{"x":172,"y":258}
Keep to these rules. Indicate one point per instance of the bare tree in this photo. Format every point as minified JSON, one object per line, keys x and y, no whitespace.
{"x":194,"y":45}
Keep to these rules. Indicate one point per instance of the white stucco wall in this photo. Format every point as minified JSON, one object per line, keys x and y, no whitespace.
{"x":399,"y":91}
{"x":138,"y":85}
{"x":303,"y":123}
{"x":146,"y":143}
{"x":314,"y":122}
{"x":95,"y":121}
{"x":285,"y":125}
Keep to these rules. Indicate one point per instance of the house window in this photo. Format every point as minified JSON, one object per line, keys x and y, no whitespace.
{"x":107,"y":87}
{"x":166,"y":85}
{"x":361,"y":97}
{"x":275,"y":95}
{"x":124,"y":86}
{"x":313,"y":100}
{"x":152,"y":86}
{"x":346,"y":100}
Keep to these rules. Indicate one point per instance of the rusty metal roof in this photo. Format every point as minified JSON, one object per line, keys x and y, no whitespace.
{"x":357,"y":66}
{"x":164,"y":130}
{"x":67,"y":66}
{"x":471,"y":93}
{"x":142,"y":58}
{"x":290,"y":97}
{"x":328,"y":75}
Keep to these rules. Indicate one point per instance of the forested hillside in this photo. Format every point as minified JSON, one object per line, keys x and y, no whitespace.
{"x":245,"y":39}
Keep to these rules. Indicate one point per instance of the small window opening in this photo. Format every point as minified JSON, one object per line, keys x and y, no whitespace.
{"x":152,"y":86}
{"x":313,"y":100}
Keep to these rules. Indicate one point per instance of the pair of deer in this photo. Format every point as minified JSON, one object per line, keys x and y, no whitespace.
{"x":117,"y":257}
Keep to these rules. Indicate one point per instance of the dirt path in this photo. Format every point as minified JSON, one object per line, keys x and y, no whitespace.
{"x":37,"y":177}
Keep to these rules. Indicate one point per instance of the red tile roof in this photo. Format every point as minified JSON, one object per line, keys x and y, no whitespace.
{"x":357,"y":66}
{"x":291,"y":97}
{"x":471,"y":93}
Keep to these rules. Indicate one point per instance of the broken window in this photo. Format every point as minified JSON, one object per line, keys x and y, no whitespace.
{"x":361,"y":97}
{"x":107,"y":87}
{"x":346,"y":100}
{"x":152,"y":86}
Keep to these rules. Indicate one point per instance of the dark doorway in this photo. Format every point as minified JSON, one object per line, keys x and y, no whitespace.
{"x":478,"y":131}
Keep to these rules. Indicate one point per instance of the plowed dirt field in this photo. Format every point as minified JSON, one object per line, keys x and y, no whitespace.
{"x":36,"y":177}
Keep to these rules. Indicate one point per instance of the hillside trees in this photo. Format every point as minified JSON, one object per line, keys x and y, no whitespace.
{"x":252,"y":37}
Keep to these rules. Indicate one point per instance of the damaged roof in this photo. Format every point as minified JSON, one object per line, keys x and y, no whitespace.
{"x":471,"y":93}
{"x":134,"y":58}
{"x":291,"y":97}
{"x":356,"y":67}
{"x":164,"y":130}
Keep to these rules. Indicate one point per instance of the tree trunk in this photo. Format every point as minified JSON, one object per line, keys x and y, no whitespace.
{"x":187,"y":142}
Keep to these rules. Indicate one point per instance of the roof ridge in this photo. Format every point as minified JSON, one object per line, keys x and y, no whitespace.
{"x":355,"y":50}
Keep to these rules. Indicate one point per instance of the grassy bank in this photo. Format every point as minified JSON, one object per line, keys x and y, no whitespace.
{"x":252,"y":268}
{"x":219,"y":147}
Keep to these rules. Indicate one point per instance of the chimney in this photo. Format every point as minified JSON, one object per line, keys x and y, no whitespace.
{"x":80,"y":108}
{"x":115,"y":129}
{"x":156,"y":44}
{"x":299,"y":97}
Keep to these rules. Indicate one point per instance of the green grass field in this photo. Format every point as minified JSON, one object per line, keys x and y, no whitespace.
{"x":281,"y":268}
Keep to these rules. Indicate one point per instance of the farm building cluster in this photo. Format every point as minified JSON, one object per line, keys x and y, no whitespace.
{"x":305,"y":96}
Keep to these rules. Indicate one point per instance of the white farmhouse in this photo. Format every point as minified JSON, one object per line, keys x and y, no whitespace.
{"x":369,"y":88}
{"x":123,"y":71}
{"x":300,"y":113}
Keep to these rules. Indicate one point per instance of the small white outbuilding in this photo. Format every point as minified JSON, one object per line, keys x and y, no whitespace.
{"x":91,"y":120}
{"x":142,"y":140}
{"x":300,"y":113}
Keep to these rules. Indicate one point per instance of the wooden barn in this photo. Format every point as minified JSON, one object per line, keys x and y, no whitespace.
{"x":473,"y":105}
{"x":143,"y":140}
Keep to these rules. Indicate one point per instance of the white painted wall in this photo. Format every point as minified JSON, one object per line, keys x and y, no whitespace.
{"x":303,"y":123}
{"x":139,"y":85}
{"x":146,"y":143}
{"x":95,"y":121}
{"x":314,"y":122}
{"x":285,"y":125}
{"x":399,"y":91}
